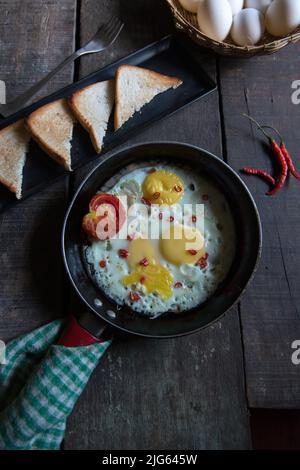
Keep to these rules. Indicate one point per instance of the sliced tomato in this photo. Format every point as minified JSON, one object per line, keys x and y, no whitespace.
{"x":106,"y":217}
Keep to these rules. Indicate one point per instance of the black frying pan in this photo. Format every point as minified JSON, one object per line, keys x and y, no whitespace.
{"x":248,"y":235}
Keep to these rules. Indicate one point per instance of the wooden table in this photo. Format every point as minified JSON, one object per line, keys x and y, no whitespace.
{"x":193,"y":392}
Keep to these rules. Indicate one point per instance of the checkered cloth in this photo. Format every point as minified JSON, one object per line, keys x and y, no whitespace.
{"x":39,"y":385}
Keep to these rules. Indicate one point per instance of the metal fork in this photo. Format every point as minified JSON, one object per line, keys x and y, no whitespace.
{"x":104,"y":37}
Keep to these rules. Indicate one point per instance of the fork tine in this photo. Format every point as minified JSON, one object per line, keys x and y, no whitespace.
{"x":110,"y":26}
{"x":114,"y":29}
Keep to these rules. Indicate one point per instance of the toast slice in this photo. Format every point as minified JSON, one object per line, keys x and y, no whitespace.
{"x":135,"y":87}
{"x":51,"y":126}
{"x":14,"y":141}
{"x":92,"y":107}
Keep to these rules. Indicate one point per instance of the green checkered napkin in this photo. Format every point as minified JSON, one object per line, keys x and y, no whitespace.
{"x":39,"y":385}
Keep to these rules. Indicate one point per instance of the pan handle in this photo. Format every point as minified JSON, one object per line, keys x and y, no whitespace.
{"x":85,"y":330}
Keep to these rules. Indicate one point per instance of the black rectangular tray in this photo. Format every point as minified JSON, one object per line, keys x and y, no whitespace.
{"x":165,"y":56}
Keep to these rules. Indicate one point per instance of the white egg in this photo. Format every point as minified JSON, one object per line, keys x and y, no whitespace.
{"x":215,"y":18}
{"x":282,"y":17}
{"x":236,"y":5}
{"x":260,"y":5}
{"x":248,"y":27}
{"x":190,"y":5}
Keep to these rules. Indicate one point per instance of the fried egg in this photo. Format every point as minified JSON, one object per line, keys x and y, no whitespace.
{"x":176,"y":248}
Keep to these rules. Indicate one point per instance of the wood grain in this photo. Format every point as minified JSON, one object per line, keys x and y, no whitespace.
{"x":145,"y":21}
{"x":183,"y":393}
{"x":35,"y":36}
{"x":270,"y":309}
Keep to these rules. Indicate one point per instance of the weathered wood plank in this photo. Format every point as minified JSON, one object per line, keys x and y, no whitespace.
{"x":143,"y":24}
{"x":170,"y":394}
{"x":183,"y":393}
{"x":34,"y":37}
{"x":270,"y":308}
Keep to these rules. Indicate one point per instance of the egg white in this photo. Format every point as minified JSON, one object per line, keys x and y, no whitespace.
{"x":198,"y":285}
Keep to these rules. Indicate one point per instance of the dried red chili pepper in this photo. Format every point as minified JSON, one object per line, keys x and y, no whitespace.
{"x":194,"y":219}
{"x":283,"y":169}
{"x":102,"y":263}
{"x":142,"y":280}
{"x":286,"y":154}
{"x":177,"y":188}
{"x":289,"y":161}
{"x":156,"y":195}
{"x":261,"y":173}
{"x":171,"y":219}
{"x":281,"y":159}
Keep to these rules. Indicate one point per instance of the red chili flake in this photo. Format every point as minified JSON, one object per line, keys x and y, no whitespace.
{"x":205,"y":256}
{"x":192,"y":252}
{"x":152,"y":170}
{"x":194,"y":219}
{"x":134,"y":296}
{"x":202,"y":263}
{"x":171,"y":219}
{"x":178,"y":188}
{"x":156,"y":195}
{"x":145,"y":201}
{"x":123,"y":253}
{"x":130,"y":238}
{"x":144,"y":262}
{"x":205,"y":197}
{"x":102,"y":263}
{"x":160,"y":216}
{"x":178,"y":285}
{"x":142,"y":280}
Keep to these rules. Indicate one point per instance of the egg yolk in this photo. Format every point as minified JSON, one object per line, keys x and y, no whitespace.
{"x":138,"y":250}
{"x":146,"y":270}
{"x":182,"y":245}
{"x":154,"y":277}
{"x":163,"y":187}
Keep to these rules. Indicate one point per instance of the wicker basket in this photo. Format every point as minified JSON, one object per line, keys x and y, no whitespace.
{"x":187,"y":22}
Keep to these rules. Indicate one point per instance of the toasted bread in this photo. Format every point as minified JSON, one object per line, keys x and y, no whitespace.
{"x":135,"y":87}
{"x":51,"y":126}
{"x":14,"y":141}
{"x":92,"y":107}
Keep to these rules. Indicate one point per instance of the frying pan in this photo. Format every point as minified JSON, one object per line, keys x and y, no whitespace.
{"x":101,"y":311}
